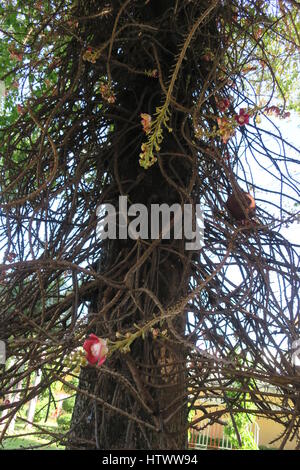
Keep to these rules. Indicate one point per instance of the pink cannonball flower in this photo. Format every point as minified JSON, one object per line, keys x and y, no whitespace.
{"x":242,"y":118}
{"x":96,"y":349}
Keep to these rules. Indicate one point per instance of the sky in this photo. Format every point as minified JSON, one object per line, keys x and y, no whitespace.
{"x":290,"y":129}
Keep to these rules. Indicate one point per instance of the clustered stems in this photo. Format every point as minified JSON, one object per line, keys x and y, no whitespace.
{"x":165,"y":102}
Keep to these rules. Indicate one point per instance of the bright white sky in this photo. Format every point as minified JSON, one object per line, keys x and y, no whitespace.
{"x":290,"y":129}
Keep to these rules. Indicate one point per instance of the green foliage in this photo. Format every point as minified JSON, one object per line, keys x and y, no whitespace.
{"x":242,"y":421}
{"x":44,"y":408}
{"x":68,"y":404}
{"x":279,"y":49}
{"x":28,"y":443}
{"x":63,"y":421}
{"x":191,"y":416}
{"x":266,"y":448}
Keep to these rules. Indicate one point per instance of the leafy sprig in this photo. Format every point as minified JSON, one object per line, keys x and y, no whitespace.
{"x":155,"y":136}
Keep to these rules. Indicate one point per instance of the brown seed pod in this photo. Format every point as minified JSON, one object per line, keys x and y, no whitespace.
{"x":241,"y":206}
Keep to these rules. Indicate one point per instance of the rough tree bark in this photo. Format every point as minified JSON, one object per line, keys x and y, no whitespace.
{"x":164,"y":390}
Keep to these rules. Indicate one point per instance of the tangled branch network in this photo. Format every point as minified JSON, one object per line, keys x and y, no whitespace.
{"x":178,"y":105}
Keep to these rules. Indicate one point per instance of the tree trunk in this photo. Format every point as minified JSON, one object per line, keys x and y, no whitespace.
{"x":154,"y":418}
{"x":138,"y":399}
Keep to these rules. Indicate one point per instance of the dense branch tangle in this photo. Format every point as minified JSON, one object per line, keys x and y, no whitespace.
{"x":202,"y":323}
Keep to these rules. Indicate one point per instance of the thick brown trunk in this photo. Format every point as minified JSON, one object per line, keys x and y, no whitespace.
{"x":153,"y":413}
{"x":156,"y":417}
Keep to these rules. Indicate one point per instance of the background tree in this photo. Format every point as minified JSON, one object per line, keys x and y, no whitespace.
{"x":161,"y":102}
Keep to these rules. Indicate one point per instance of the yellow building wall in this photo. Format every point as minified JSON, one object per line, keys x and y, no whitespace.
{"x":269,"y":430}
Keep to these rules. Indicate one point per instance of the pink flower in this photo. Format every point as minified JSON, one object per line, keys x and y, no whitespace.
{"x":107,"y":93}
{"x":20,"y":109}
{"x":15,"y":55}
{"x":225,"y":129}
{"x":223,"y":104}
{"x":273,"y":110}
{"x":242,"y":118}
{"x":146,"y":122}
{"x":96,"y":349}
{"x":111,"y":99}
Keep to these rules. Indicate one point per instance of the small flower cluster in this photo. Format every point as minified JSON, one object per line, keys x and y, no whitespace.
{"x":39,"y":4}
{"x":227,"y":125}
{"x":147,"y":159}
{"x":72,"y":23}
{"x":125,"y":341}
{"x":222,"y":104}
{"x":76,"y":360}
{"x":146,"y":122}
{"x":226,"y":128}
{"x":107,"y":93}
{"x":151,"y":73}
{"x":15,"y":55}
{"x":248,"y":68}
{"x":275,"y":111}
{"x":154,"y":130}
{"x":20,"y":109}
{"x":242,"y":118}
{"x":199,"y":132}
{"x":156,"y":332}
{"x":91,"y":55}
{"x":272,"y":110}
{"x":4,"y":401}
